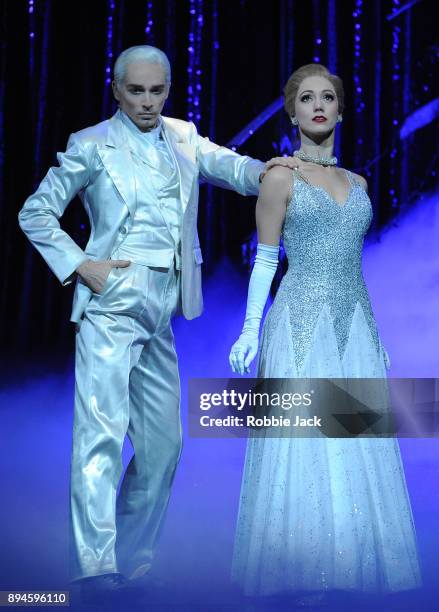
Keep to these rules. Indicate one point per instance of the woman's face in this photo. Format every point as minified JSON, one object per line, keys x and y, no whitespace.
{"x":316,"y":105}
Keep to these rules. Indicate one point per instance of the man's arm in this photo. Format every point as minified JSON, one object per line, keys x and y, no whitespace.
{"x":39,"y":217}
{"x":225,"y":168}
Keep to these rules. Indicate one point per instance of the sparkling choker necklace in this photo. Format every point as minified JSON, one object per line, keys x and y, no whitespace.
{"x":329,"y":161}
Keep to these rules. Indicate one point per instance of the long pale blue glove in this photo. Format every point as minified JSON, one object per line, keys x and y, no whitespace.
{"x":246,"y":347}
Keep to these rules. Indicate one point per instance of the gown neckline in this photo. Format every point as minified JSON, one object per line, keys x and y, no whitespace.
{"x":326,"y":192}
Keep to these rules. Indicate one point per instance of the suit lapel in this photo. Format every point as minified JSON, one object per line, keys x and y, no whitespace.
{"x":182,"y":154}
{"x":116,"y":157}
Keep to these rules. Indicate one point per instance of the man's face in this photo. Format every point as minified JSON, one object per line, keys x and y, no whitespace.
{"x":142,"y":93}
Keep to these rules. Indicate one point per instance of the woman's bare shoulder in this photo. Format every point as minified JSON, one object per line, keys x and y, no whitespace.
{"x":279,"y":178}
{"x":278,"y":173}
{"x":360,"y":179}
{"x":275,"y":192}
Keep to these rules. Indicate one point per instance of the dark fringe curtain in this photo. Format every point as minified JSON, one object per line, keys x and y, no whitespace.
{"x":230,"y":61}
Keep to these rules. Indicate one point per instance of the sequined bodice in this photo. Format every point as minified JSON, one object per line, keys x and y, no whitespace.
{"x":323,"y":242}
{"x":324,"y":239}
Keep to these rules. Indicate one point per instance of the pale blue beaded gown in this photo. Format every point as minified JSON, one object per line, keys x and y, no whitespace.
{"x":318,"y":514}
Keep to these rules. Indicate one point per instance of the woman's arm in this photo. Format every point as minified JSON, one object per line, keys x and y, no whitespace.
{"x":273,"y":197}
{"x":271,"y":206}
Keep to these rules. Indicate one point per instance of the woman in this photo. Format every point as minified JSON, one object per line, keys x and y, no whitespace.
{"x":318,"y":514}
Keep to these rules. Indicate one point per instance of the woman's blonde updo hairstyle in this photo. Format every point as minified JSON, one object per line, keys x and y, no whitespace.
{"x":293,"y":84}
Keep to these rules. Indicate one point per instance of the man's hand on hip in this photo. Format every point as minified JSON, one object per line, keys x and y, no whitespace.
{"x":94,"y":274}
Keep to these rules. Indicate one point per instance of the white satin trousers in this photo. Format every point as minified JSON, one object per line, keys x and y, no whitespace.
{"x":127,"y":383}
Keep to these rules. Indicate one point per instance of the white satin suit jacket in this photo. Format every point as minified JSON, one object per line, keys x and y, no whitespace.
{"x":98,"y":166}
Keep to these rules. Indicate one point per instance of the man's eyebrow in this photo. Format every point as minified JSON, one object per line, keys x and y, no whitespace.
{"x":142,"y":87}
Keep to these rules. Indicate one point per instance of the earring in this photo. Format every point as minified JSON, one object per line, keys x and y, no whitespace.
{"x":294,"y":121}
{"x":339,"y":119}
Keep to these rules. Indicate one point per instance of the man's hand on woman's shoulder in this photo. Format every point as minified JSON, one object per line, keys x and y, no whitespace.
{"x":288,"y":162}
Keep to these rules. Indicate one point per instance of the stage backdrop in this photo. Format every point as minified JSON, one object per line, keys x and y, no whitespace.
{"x":230,"y":61}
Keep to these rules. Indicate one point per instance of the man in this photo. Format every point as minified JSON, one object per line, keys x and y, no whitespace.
{"x":137,"y":175}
